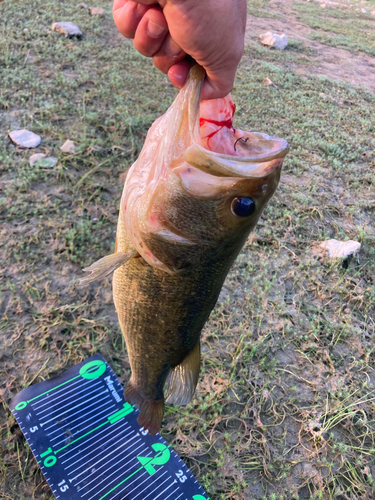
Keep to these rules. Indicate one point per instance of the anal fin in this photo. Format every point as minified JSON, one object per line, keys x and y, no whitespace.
{"x":105,"y":266}
{"x":182,"y":380}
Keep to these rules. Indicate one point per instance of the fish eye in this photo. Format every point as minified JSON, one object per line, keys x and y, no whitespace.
{"x":243,"y":207}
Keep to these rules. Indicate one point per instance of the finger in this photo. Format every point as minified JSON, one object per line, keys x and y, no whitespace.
{"x":215,"y":87}
{"x":127,"y":16}
{"x":178,"y":74}
{"x":151,"y":32}
{"x":168,"y":55}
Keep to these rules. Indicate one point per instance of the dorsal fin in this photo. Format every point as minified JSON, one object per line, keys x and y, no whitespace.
{"x":105,"y":266}
{"x":181,"y":381}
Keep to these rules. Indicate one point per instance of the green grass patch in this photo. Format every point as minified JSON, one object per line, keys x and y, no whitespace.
{"x":344,"y":28}
{"x":260,"y":8}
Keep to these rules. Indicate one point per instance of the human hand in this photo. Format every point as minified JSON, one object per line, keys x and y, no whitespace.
{"x":210,"y":31}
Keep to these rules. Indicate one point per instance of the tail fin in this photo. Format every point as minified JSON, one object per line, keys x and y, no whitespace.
{"x":150,"y":411}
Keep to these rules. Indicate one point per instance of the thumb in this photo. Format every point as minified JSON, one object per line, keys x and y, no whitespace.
{"x":217,"y":84}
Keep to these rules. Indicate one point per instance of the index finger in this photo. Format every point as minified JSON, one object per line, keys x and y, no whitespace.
{"x":127,"y":14}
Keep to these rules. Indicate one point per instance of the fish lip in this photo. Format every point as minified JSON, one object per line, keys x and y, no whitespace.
{"x":280,"y":150}
{"x":255,"y":165}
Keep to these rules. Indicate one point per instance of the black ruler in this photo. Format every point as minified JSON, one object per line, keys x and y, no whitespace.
{"x":89,"y":445}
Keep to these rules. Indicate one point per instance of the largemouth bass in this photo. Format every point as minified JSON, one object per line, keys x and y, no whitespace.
{"x":189,"y":203}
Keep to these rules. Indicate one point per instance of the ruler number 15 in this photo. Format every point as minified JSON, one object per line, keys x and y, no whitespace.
{"x":63,"y":486}
{"x":181,"y":476}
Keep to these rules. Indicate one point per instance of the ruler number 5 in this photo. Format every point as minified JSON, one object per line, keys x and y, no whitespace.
{"x":33,"y":429}
{"x":181,"y":477}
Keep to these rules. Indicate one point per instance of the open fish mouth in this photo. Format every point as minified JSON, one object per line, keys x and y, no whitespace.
{"x":222,"y":150}
{"x":265,"y":154}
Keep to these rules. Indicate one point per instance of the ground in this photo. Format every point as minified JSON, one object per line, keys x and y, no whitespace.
{"x":285,"y":405}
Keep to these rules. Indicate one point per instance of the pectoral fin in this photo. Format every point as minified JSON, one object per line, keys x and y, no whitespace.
{"x":106,"y":266}
{"x":181,"y":381}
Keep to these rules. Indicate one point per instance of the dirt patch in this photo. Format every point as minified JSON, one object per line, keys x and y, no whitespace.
{"x":338,"y":64}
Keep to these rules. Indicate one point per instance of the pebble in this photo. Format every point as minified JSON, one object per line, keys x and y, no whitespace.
{"x":42,"y":161}
{"x":35,"y":158}
{"x":273,"y":40}
{"x":25,"y":139}
{"x":268,"y":81}
{"x":68,"y":29}
{"x":96,"y":11}
{"x":340,"y":249}
{"x":68,"y":147}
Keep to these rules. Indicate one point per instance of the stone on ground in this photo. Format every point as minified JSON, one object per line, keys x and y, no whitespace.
{"x":274,"y":41}
{"x":339,"y":249}
{"x":25,"y":139}
{"x":40,"y":160}
{"x":96,"y":11}
{"x":68,"y":147}
{"x":68,"y":29}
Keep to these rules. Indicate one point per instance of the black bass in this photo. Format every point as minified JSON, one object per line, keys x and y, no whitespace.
{"x":189,"y":203}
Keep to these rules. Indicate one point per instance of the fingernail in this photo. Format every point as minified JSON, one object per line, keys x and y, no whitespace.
{"x":172,"y":49}
{"x":155,"y":30}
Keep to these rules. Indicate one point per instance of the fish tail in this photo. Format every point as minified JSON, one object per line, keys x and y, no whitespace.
{"x":150,"y":411}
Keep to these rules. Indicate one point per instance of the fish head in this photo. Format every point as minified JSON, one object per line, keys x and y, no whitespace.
{"x":209,"y":203}
{"x":223,"y":196}
{"x":206,"y":188}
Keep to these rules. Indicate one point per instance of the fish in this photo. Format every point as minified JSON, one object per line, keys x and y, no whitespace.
{"x":189,"y":202}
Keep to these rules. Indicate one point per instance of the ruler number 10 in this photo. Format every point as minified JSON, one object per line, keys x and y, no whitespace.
{"x":50,"y":460}
{"x":181,"y":476}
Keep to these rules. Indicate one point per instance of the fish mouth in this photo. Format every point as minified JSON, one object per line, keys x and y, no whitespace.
{"x":243,"y":154}
{"x":265,"y":154}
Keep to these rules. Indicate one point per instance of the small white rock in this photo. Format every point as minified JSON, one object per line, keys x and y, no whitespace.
{"x":268,"y":81}
{"x":41,"y":160}
{"x":273,"y":40}
{"x":96,"y":11}
{"x":83,"y":5}
{"x":35,"y":158}
{"x":340,"y":249}
{"x":68,"y":147}
{"x":67,"y":28}
{"x":25,"y":139}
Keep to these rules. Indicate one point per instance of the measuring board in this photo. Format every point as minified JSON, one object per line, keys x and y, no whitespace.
{"x":89,"y":445}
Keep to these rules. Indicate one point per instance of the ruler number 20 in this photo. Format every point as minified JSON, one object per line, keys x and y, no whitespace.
{"x":181,"y":477}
